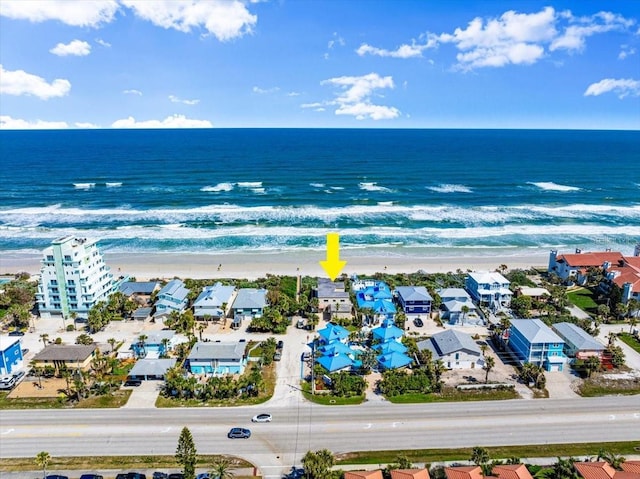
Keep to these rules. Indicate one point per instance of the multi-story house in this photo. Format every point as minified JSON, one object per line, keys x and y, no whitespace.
{"x":249,"y":303}
{"x":218,"y":358}
{"x":414,"y":300}
{"x":489,"y":289}
{"x":575,"y":267}
{"x":376,"y":299}
{"x":73,"y":278}
{"x":213,"y":301}
{"x":534,"y":342}
{"x":577,"y":342}
{"x":455,"y":349}
{"x":172,"y":297}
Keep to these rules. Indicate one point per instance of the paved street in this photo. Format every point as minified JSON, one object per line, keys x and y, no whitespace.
{"x":296,"y":429}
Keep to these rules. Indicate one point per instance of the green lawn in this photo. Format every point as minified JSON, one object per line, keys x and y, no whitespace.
{"x":597,"y":386}
{"x":30,"y":403}
{"x":583,"y":299}
{"x":329,"y":399}
{"x":116,"y":399}
{"x":630,"y":341}
{"x":543,"y":450}
{"x":453,"y":394}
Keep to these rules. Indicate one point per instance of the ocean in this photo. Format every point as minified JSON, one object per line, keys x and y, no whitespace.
{"x":393,"y":191}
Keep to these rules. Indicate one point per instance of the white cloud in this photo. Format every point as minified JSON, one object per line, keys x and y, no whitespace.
{"x":355,"y":96}
{"x":336,"y":40}
{"x":86,"y":125}
{"x":511,"y":39}
{"x":625,"y":51}
{"x":574,"y":35}
{"x":19,"y":82}
{"x":263,"y":91}
{"x":622,"y":87}
{"x":71,"y":12}
{"x":75,"y":47}
{"x":132,"y":92}
{"x":175,"y":99}
{"x":8,"y":123}
{"x":293,"y":93}
{"x":100,"y":41}
{"x":173,"y":121}
{"x":312,"y":105}
{"x":225,"y":19}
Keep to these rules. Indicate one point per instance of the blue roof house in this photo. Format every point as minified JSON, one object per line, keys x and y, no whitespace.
{"x":534,"y":342}
{"x":210,"y":302}
{"x":217,"y":358}
{"x":10,"y":354}
{"x":172,"y":297}
{"x":393,"y":360}
{"x":335,"y":362}
{"x":390,"y":347}
{"x":414,"y":300}
{"x":379,"y":299}
{"x":333,"y":332}
{"x":387,"y":332}
{"x":249,"y":303}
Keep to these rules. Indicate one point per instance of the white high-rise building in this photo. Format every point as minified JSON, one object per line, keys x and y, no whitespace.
{"x":73,"y":277}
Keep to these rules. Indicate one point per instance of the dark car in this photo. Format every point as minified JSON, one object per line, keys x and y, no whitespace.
{"x":418,"y":323}
{"x":160,"y":475}
{"x":131,"y":475}
{"x":91,"y":476}
{"x":56,"y":476}
{"x":16,"y":332}
{"x":280,"y":344}
{"x":133,"y":382}
{"x":239,"y":433}
{"x":25,"y":351}
{"x":175,"y":475}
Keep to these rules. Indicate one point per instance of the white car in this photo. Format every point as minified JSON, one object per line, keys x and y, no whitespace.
{"x":261,"y":418}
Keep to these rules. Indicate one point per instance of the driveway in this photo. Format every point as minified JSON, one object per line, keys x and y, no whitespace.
{"x":145,"y":395}
{"x":559,"y":383}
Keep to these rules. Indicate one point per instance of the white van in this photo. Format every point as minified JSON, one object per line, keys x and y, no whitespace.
{"x":7,"y":382}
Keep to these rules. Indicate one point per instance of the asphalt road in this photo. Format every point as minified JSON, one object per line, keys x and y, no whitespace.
{"x":275,"y":446}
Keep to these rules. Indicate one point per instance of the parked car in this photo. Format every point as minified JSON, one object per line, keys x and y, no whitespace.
{"x":304,"y":356}
{"x":133,"y":382}
{"x":175,"y":475}
{"x":56,"y":476}
{"x":203,"y":475}
{"x":160,"y":475}
{"x":261,"y":418}
{"x":7,"y":382}
{"x":277,"y":356}
{"x":16,"y":332}
{"x":280,"y":345}
{"x":25,"y":351}
{"x":418,"y":323}
{"x":131,"y":475}
{"x":18,"y":376}
{"x":239,"y":433}
{"x":91,"y":476}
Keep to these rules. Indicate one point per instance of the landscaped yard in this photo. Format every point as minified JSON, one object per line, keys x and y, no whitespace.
{"x":583,"y":299}
{"x":630,"y":341}
{"x":453,"y":394}
{"x":599,"y":385}
{"x":329,"y":399}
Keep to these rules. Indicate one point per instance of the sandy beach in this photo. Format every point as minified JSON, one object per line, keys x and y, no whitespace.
{"x":254,"y":265}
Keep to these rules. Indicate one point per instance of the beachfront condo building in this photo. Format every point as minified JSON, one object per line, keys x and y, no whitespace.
{"x":73,"y":278}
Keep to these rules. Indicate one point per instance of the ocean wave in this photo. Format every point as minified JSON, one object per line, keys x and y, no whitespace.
{"x":551,"y":186}
{"x":113,"y":184}
{"x":217,"y":188}
{"x":450,"y":188}
{"x":84,"y":186}
{"x":249,"y":184}
{"x":317,"y":185}
{"x":373,"y":186}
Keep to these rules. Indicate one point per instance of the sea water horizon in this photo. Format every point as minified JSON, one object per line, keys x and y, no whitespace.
{"x":441,"y":192}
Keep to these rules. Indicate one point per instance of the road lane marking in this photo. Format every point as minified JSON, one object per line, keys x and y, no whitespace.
{"x":368,"y":426}
{"x":166,"y":430}
{"x":8,"y":431}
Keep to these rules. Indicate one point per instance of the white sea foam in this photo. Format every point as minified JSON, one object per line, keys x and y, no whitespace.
{"x":551,"y":186}
{"x":218,"y":188}
{"x":450,"y":188}
{"x":113,"y":184}
{"x":373,"y":186}
{"x":317,"y":185}
{"x":84,"y":186}
{"x":337,"y":188}
{"x":249,"y":184}
{"x":259,"y":191}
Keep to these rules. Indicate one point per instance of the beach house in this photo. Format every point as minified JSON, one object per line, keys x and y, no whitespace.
{"x":139,"y":291}
{"x":388,"y":341}
{"x":578,"y":343}
{"x":66,"y":356}
{"x":212,"y":302}
{"x":154,"y":344}
{"x":534,"y":342}
{"x":489,"y":289}
{"x":334,"y":351}
{"x":217,"y":358}
{"x":457,"y":308}
{"x":11,"y":358}
{"x":455,"y":349}
{"x":375,"y":300}
{"x":625,"y":275}
{"x":575,"y":267}
{"x":249,"y":303}
{"x":334,"y":301}
{"x":151,"y":369}
{"x":414,"y":301}
{"x":174,"y":296}
{"x":73,"y":278}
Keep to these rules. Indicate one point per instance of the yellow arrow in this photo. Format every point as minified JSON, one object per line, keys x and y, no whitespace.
{"x":333,"y":266}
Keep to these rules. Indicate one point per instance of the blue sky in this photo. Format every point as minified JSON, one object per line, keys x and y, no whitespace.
{"x":321,"y":63}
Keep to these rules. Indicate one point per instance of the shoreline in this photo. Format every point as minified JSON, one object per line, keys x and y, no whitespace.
{"x":246,"y":265}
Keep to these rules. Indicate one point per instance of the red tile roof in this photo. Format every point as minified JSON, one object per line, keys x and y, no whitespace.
{"x":377,"y":474}
{"x":595,"y":470}
{"x":463,"y":472}
{"x":590,"y":259}
{"x":626,"y":475}
{"x":410,"y":474}
{"x":511,"y":471}
{"x":631,"y":466}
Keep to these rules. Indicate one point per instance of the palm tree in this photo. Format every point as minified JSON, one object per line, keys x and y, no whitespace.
{"x":43,"y":458}
{"x":611,"y":337}
{"x":38,"y":372}
{"x":141,"y":343}
{"x":480,"y":456}
{"x":591,"y":365}
{"x":112,"y":342}
{"x":201,"y":328}
{"x":633,"y":321}
{"x":221,"y":469}
{"x":465,"y":311}
{"x":489,"y":363}
{"x":563,"y":469}
{"x":615,"y":460}
{"x":44,"y":338}
{"x":165,"y":345}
